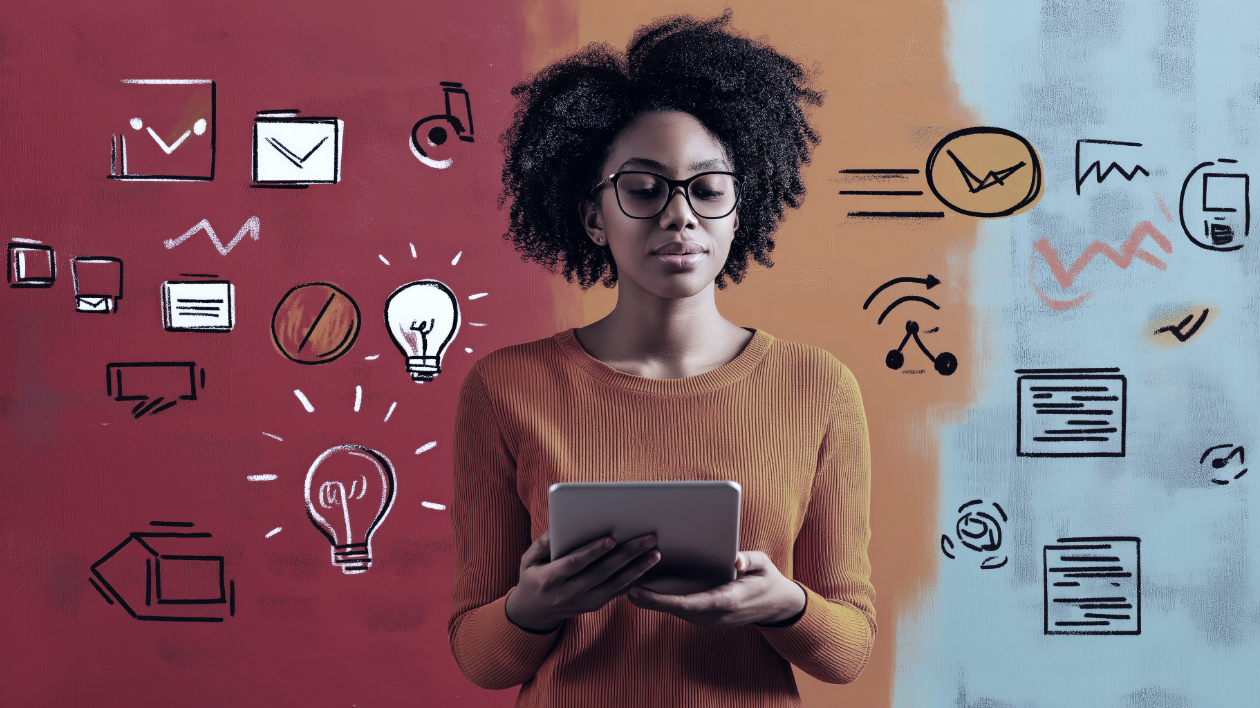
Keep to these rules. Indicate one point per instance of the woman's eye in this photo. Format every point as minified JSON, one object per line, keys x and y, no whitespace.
{"x":707,"y":194}
{"x":645,"y":193}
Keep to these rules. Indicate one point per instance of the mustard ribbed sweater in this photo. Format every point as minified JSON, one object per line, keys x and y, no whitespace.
{"x":784,"y":420}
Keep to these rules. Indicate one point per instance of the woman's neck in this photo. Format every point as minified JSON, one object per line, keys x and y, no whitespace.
{"x":664,"y":338}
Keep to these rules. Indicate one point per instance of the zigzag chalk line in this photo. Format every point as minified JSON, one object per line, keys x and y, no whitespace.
{"x":1129,"y":250}
{"x":251,"y":226}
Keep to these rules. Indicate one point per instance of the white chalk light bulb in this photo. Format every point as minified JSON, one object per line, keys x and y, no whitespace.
{"x":349,"y":491}
{"x":423,"y":318}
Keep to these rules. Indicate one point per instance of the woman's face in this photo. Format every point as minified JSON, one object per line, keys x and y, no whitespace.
{"x":676,"y":254}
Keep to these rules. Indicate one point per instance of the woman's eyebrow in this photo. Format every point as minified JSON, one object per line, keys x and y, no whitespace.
{"x":648,"y":162}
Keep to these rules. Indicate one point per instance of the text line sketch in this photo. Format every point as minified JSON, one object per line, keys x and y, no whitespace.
{"x":1130,"y":250}
{"x":98,"y":283}
{"x":1219,"y":201}
{"x":425,"y":148}
{"x":251,"y":228}
{"x":31,"y":265}
{"x":1180,"y":330}
{"x":979,"y":531}
{"x":1104,"y":150}
{"x":141,"y":382}
{"x":1070,"y":412}
{"x":315,"y":323}
{"x":423,"y":318}
{"x":1223,"y":460}
{"x":262,"y":477}
{"x":198,"y":306}
{"x":342,"y":477}
{"x":868,"y":174}
{"x":294,"y":152}
{"x":1093,"y":585}
{"x":182,"y":149}
{"x":945,"y":363}
{"x":173,"y":571}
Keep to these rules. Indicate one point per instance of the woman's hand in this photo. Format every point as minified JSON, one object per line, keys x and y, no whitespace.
{"x":759,"y":593}
{"x":583,"y":581}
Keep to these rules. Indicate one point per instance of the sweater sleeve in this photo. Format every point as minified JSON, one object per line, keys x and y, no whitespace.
{"x":832,"y":640}
{"x":491,"y":529}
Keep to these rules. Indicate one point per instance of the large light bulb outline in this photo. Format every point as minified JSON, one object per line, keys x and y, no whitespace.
{"x":415,"y":311}
{"x":352,"y":558}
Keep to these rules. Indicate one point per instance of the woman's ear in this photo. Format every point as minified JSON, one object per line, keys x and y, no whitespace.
{"x":592,"y":215}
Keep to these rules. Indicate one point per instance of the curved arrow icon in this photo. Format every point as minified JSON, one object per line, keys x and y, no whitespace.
{"x":931,"y":281}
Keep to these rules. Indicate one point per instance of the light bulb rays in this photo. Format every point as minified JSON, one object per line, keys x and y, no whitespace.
{"x":327,"y":477}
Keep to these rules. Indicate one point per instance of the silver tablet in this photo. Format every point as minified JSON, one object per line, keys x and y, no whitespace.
{"x":696,"y":526}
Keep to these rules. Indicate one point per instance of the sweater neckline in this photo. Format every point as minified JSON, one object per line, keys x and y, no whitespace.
{"x":732,"y":371}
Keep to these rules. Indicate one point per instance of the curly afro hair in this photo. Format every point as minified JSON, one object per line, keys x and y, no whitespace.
{"x":748,"y":95}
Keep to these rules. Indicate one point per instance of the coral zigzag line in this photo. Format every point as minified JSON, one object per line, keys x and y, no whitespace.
{"x":1129,"y":250}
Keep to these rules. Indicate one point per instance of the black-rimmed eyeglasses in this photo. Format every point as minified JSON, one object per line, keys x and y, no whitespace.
{"x":644,"y":195}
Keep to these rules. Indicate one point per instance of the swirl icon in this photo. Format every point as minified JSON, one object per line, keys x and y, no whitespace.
{"x":978,"y":531}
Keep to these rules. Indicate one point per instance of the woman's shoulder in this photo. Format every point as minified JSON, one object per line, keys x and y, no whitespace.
{"x":518,"y":362}
{"x":810,"y":363}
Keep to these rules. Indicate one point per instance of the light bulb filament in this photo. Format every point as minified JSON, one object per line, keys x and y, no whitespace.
{"x":333,"y":493}
{"x":424,"y":328}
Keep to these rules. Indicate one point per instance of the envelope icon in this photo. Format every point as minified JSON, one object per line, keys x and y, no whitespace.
{"x":94,"y":303}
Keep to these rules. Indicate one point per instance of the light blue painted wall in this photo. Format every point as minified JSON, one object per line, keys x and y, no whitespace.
{"x":1182,"y":78}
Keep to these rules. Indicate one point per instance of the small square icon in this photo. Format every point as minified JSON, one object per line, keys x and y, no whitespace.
{"x":198,"y":306}
{"x":97,"y":283}
{"x":294,"y":151}
{"x":163,"y":130}
{"x":31,"y":265}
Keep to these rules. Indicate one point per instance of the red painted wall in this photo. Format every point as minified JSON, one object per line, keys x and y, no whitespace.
{"x":80,"y":473}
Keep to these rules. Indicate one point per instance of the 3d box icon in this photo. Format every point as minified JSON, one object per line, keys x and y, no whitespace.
{"x":167,"y":574}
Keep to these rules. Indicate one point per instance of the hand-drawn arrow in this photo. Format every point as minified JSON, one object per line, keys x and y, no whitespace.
{"x":251,"y":226}
{"x":931,"y":281}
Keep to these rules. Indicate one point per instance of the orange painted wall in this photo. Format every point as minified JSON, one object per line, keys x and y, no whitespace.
{"x":890,"y":97}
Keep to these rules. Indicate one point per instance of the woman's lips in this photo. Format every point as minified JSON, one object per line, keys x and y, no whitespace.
{"x":679,"y":261}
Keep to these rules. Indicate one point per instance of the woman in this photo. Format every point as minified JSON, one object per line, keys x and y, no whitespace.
{"x":664,"y":171}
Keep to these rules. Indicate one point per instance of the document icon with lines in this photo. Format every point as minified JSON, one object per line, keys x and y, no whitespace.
{"x":1070,"y":413}
{"x":198,"y":306}
{"x":1093,"y":585}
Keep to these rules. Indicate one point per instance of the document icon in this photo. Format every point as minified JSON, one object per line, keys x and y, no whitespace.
{"x":197,"y":306}
{"x":31,"y":265}
{"x":1093,"y":585}
{"x":163,"y":130}
{"x":1070,"y":413}
{"x":290,"y":151}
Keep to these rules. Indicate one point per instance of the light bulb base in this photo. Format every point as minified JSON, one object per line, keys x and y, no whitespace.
{"x":423,"y":368}
{"x":352,"y":558}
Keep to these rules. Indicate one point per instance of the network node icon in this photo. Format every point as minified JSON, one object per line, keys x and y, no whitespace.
{"x":944,"y":363}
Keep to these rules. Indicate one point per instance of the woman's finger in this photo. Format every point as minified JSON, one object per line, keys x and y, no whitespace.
{"x":573,"y":563}
{"x":539,"y":551}
{"x":620,"y":581}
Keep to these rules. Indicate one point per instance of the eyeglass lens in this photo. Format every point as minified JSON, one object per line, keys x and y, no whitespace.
{"x":643,"y":195}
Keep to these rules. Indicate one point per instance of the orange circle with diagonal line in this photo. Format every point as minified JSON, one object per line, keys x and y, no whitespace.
{"x":987,"y":172}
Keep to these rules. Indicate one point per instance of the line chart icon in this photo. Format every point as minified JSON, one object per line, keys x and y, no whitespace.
{"x":1011,"y":170}
{"x":945,"y":363}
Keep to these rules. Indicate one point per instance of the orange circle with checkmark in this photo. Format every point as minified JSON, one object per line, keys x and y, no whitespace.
{"x":986,"y":172}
